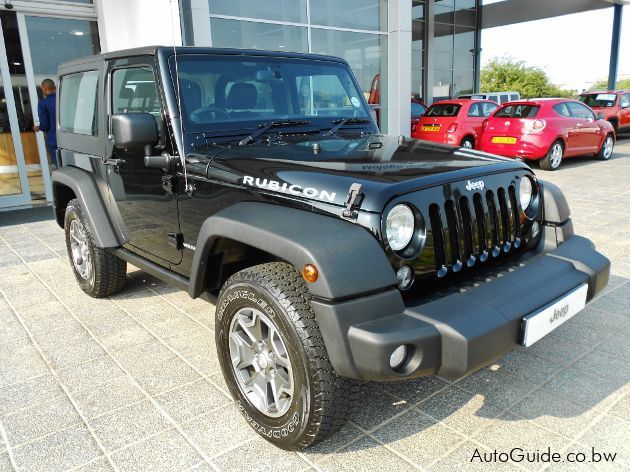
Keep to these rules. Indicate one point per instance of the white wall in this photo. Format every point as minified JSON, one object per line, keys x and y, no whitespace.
{"x":125,"y":24}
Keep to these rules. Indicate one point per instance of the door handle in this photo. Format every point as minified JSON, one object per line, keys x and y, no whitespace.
{"x":579,"y":125}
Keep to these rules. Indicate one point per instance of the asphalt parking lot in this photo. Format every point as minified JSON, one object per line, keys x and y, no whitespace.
{"x":132,"y":382}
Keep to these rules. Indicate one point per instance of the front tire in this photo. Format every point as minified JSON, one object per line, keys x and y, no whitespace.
{"x":606,"y":151}
{"x":554,"y":156}
{"x":98,"y":272}
{"x":274,"y":360}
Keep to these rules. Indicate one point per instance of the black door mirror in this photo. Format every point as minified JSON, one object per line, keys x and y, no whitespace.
{"x":600,"y":115}
{"x":135,"y":131}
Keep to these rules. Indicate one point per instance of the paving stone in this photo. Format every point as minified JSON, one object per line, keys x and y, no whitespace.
{"x":28,"y":393}
{"x":20,"y":361}
{"x":376,"y":408}
{"x":621,"y":409}
{"x":260,"y":455}
{"x":605,"y":365}
{"x":558,"y":350}
{"x":498,"y":387}
{"x":106,"y":397}
{"x":363,"y":455}
{"x":128,"y":425}
{"x":617,"y":345}
{"x":192,"y":400}
{"x":418,"y":437}
{"x":166,"y":451}
{"x":97,"y":465}
{"x":322,"y":450}
{"x":219,"y":431}
{"x":526,"y":366}
{"x":414,"y":391}
{"x":165,"y":321}
{"x":5,"y":462}
{"x":166,"y":375}
{"x":61,"y":357}
{"x":463,"y":459}
{"x":612,"y":305}
{"x":611,"y":435}
{"x":44,"y":418}
{"x":57,"y":452}
{"x":90,"y":374}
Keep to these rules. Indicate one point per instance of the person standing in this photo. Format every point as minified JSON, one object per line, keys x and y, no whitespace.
{"x":47,"y":111}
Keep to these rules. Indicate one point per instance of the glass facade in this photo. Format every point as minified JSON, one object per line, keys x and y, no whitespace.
{"x":357,"y":31}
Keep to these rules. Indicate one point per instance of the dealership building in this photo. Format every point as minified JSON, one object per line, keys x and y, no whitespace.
{"x":427,"y":49}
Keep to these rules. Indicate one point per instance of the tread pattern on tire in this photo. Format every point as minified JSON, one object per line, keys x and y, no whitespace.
{"x":110,"y":271}
{"x":335,"y":397}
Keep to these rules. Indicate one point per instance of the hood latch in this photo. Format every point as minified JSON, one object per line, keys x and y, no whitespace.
{"x":353,"y":202}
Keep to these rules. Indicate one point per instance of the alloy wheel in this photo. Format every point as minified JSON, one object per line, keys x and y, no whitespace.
{"x":556,"y":155}
{"x":80,"y":249}
{"x":608,"y":147}
{"x":261,"y":362}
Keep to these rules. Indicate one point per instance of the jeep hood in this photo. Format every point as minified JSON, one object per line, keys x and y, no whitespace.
{"x":382,"y":166}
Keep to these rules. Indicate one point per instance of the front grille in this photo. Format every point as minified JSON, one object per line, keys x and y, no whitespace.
{"x":470,"y":229}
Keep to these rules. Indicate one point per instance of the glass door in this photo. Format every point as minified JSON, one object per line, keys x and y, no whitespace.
{"x":14,"y":185}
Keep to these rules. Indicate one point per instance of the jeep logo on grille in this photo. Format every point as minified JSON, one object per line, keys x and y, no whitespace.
{"x":479,"y":185}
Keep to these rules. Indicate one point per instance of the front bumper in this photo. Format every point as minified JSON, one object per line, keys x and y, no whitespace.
{"x":462,"y":332}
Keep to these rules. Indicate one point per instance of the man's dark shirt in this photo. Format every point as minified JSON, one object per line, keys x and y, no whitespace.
{"x":47,"y":109}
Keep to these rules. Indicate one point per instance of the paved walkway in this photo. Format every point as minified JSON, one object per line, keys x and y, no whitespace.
{"x":132,"y":382}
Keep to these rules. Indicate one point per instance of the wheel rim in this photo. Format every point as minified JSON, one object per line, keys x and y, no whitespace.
{"x":608,"y":147}
{"x":556,"y":155}
{"x":466,"y":143}
{"x":260,"y":362}
{"x":80,"y":249}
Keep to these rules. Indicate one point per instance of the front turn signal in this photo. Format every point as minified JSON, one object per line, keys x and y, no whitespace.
{"x":310,"y":273}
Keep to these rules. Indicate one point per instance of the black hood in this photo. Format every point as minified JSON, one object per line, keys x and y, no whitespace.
{"x":324,"y":169}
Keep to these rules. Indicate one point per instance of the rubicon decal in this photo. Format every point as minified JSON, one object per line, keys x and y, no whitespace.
{"x":276,"y":186}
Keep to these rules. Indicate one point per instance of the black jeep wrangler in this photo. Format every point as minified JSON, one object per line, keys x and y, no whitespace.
{"x":336,"y":254}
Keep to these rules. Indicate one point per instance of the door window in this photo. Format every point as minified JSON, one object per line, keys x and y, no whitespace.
{"x":624,"y":100}
{"x":134,"y":91}
{"x":78,"y":103}
{"x":578,"y":110}
{"x":562,"y":110}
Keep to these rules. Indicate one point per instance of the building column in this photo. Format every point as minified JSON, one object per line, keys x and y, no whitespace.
{"x":429,"y":34}
{"x":398,"y":106}
{"x":477,"y":50}
{"x":614,"y":47}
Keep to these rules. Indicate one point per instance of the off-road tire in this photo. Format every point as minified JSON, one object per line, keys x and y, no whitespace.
{"x":546,"y":163}
{"x":107,"y":275}
{"x":325,"y":400}
{"x":601,"y":154}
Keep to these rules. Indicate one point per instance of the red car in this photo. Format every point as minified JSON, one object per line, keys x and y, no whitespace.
{"x":547,"y":130}
{"x":455,"y":122}
{"x":614,"y":104}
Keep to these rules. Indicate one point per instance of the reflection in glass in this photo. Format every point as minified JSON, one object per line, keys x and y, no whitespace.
{"x":252,"y":35}
{"x":442,"y":82}
{"x":443,"y":41}
{"x":9,"y":176}
{"x":355,"y":14}
{"x":462,"y":82}
{"x":363,"y":51}
{"x":293,"y":11}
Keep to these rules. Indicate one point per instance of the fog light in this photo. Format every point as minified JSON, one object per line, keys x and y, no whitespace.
{"x":535,"y":229}
{"x":405,"y":277}
{"x":398,"y":357}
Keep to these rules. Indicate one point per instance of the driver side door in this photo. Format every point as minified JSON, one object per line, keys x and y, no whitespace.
{"x":147,"y":209}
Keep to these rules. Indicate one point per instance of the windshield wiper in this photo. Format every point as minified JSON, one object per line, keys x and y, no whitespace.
{"x":346,"y":121}
{"x":264,"y":127}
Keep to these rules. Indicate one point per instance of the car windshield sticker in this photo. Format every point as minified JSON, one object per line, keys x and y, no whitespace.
{"x":355,"y":101}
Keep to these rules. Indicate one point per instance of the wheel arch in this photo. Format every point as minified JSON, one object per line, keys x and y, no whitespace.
{"x":298,"y":237}
{"x":71,"y":182}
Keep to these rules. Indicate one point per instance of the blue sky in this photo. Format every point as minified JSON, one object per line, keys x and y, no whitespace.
{"x":574,"y":50}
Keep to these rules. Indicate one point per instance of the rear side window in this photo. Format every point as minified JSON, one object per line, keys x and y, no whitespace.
{"x":518,"y":111}
{"x":578,"y":110}
{"x":624,"y":100}
{"x":562,"y":109}
{"x":78,"y":105}
{"x":443,"y":110}
{"x":481,"y":109}
{"x":417,"y":110}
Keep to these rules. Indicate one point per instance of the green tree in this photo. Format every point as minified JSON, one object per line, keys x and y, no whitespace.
{"x":603,"y":85}
{"x":504,"y":74}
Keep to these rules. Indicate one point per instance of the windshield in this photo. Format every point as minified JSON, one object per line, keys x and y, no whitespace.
{"x":221,"y":93}
{"x":443,"y":110}
{"x":517,"y":111}
{"x":599,"y":99}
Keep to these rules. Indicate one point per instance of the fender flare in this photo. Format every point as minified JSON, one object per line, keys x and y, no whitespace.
{"x":84,"y":187}
{"x":555,"y":206}
{"x":350,"y":260}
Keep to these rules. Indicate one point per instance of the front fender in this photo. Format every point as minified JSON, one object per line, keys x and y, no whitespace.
{"x":84,"y":187}
{"x":349,"y":259}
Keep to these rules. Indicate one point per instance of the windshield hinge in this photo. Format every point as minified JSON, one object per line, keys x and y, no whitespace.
{"x":353,"y":202}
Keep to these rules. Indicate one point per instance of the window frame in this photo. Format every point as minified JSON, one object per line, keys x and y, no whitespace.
{"x":584,"y":107}
{"x":82,"y":143}
{"x":95,"y":118}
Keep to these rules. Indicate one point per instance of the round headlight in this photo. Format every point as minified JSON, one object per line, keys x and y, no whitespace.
{"x":399,"y":227}
{"x":526,"y":192}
